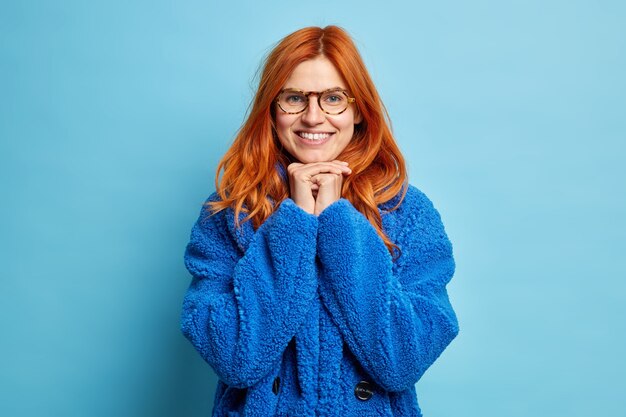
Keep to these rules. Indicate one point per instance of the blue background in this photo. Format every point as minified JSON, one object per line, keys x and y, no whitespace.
{"x":113,"y":116}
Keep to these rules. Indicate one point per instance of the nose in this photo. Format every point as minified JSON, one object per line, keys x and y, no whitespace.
{"x":313,"y":115}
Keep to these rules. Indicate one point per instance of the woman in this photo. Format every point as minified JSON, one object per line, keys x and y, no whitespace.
{"x":319,"y":273}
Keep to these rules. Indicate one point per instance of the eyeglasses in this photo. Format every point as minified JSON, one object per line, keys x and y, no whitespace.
{"x":332,"y":101}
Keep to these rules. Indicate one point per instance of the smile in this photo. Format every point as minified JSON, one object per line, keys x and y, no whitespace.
{"x":314,"y":136}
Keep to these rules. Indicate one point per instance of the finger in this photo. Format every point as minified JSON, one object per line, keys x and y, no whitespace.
{"x":323,"y":179}
{"x":322,"y":167}
{"x":293,"y":166}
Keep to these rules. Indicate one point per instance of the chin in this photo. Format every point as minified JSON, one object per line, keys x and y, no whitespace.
{"x":310,"y":160}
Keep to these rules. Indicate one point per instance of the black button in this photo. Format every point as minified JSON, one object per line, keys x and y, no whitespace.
{"x":363,"y":391}
{"x":276,"y":385}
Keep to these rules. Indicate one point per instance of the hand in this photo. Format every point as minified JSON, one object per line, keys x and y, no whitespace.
{"x":326,"y":190}
{"x":317,"y":181}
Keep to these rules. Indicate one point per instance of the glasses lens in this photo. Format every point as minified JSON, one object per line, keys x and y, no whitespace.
{"x":334,"y":101}
{"x":292,"y":101}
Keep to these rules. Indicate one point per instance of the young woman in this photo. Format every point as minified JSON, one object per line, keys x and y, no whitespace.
{"x":319,"y":273}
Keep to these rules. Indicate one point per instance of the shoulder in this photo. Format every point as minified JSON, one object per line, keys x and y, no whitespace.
{"x":417,"y":197}
{"x":214,"y":196}
{"x":416,"y":221}
{"x":206,"y":214}
{"x":413,"y":202}
{"x":210,"y":221}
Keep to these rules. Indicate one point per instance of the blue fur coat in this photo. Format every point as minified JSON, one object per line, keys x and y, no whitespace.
{"x":309,"y":316}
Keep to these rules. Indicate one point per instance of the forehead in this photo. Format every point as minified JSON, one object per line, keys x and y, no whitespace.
{"x":316,"y":74}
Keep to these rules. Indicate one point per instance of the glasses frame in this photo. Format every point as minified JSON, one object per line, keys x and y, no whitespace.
{"x":319,"y":99}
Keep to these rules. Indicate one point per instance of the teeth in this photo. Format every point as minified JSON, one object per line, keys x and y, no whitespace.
{"x":314,"y":136}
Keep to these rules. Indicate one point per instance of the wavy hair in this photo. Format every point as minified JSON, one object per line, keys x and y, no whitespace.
{"x":251,"y":183}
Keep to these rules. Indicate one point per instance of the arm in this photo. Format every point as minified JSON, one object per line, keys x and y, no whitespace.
{"x":241,"y":311}
{"x":395,"y":317}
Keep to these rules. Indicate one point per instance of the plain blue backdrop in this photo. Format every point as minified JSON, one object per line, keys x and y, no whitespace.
{"x":113,"y":116}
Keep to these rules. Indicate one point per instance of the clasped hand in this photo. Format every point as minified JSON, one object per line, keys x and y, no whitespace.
{"x":316,"y":185}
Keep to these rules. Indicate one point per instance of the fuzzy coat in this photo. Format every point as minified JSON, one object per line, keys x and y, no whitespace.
{"x":309,"y":316}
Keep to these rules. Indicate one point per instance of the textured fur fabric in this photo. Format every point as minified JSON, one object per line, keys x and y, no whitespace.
{"x":309,"y":315}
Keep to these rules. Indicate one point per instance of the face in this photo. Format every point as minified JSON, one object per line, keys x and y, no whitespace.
{"x":333,"y":132}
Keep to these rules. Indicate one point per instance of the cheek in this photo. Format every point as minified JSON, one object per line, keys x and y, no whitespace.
{"x":346,"y":125}
{"x":346,"y":122}
{"x":283,"y":121}
{"x":283,"y":124}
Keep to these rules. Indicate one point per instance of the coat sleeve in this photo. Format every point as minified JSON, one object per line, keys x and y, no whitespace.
{"x":395,"y":317}
{"x":240,"y":312}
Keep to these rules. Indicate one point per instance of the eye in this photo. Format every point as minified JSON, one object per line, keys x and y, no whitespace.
{"x":294,"y":98}
{"x":334,"y":98}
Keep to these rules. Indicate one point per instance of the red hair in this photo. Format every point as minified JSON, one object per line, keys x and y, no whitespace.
{"x":251,"y":182}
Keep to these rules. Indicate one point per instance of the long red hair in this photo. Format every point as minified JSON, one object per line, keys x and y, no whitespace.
{"x":251,"y":183}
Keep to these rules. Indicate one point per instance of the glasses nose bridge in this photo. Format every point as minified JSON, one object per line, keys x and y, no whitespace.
{"x":316,"y":99}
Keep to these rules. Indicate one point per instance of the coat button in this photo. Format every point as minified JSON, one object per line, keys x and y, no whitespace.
{"x":363,"y":391}
{"x":276,"y":385}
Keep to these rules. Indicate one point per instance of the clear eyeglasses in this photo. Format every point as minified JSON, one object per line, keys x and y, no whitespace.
{"x":332,"y":101}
